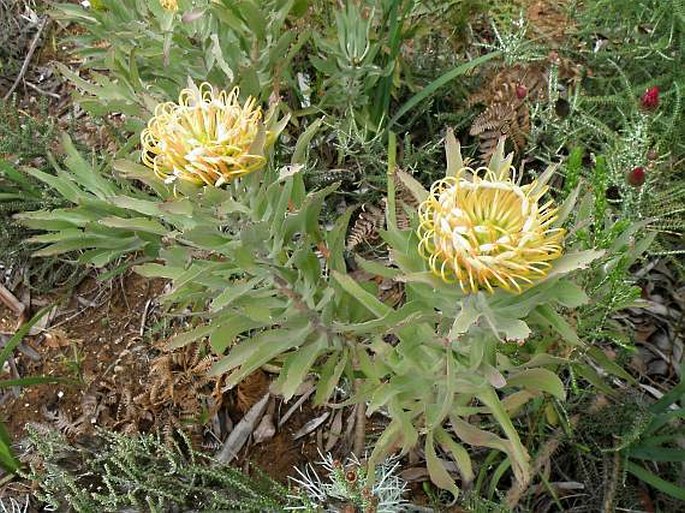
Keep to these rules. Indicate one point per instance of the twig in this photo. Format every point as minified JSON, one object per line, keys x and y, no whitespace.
{"x":22,"y":348}
{"x":92,"y":304}
{"x":311,"y":425}
{"x":15,"y":374}
{"x":359,"y":427}
{"x":29,"y":55}
{"x":143,"y":318}
{"x":11,"y":301}
{"x":42,"y":91}
{"x":299,"y":303}
{"x":295,"y":406}
{"x":610,"y":490}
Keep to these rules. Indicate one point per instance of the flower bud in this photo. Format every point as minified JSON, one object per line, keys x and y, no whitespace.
{"x":636,"y":177}
{"x":521,"y":91}
{"x":351,"y":476}
{"x":650,"y":99}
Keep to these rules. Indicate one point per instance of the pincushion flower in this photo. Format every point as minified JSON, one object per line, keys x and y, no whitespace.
{"x":208,"y":137}
{"x":482,"y":230}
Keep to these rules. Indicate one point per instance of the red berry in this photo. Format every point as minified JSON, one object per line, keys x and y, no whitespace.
{"x":650,"y":98}
{"x":636,"y":177}
{"x":521,"y":91}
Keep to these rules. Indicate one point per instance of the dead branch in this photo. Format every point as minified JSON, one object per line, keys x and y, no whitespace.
{"x":29,"y":56}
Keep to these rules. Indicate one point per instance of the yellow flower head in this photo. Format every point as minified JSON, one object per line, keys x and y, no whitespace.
{"x":169,"y":5}
{"x":483,"y":230}
{"x":207,"y":138}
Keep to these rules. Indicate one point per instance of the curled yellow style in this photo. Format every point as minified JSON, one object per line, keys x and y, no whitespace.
{"x":208,"y":137}
{"x":483,"y":230}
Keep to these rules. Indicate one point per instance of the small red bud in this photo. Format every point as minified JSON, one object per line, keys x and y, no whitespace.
{"x":650,"y":98}
{"x":636,"y":177}
{"x":521,"y":91}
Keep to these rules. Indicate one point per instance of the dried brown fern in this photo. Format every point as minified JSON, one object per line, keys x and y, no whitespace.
{"x":405,"y":203}
{"x":505,"y":95}
{"x":93,"y":409}
{"x":181,"y":381}
{"x":503,"y":84}
{"x":177,"y":394}
{"x":507,"y":92}
{"x":365,"y":229}
{"x":62,"y":421}
{"x":371,"y":220}
{"x":501,"y":120}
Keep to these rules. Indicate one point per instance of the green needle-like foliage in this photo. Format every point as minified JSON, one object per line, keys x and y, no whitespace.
{"x":112,"y":472}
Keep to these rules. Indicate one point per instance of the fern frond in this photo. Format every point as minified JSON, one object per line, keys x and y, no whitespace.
{"x":366,"y":228}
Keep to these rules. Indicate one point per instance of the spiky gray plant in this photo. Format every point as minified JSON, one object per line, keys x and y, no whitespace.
{"x":512,"y":41}
{"x":349,"y":483}
{"x":12,"y":505}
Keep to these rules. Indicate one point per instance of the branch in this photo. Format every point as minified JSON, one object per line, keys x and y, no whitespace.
{"x":29,"y":55}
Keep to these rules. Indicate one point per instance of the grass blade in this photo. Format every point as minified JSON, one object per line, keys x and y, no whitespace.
{"x":441,"y":81}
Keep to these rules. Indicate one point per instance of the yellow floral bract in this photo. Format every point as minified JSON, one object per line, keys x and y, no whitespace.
{"x":208,"y":137}
{"x":169,"y":5}
{"x":483,"y":230}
